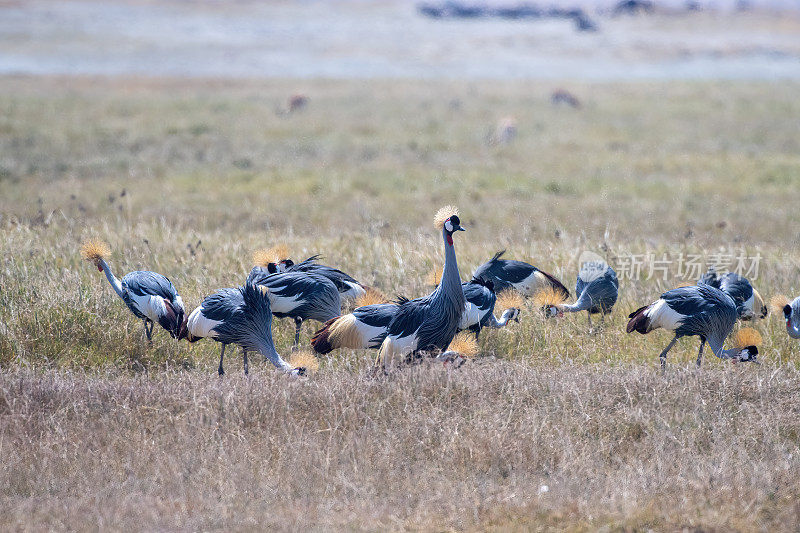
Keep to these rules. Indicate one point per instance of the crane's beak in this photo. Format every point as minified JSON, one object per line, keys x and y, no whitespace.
{"x":459,"y":228}
{"x":183,"y":332}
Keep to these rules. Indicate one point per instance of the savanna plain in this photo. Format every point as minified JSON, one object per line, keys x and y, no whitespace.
{"x":550,"y":427}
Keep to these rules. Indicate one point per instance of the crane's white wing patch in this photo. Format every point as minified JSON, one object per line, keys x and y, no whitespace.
{"x":150,"y":306}
{"x":470,"y":316}
{"x":199,"y":326}
{"x":355,"y":290}
{"x":284,"y":304}
{"x":531,"y":284}
{"x":661,"y":315}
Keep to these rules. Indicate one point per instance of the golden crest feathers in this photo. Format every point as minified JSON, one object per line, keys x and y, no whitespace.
{"x":509,"y":298}
{"x":276,"y":254}
{"x":371,"y":297}
{"x":443,"y":214}
{"x":304,"y":359}
{"x":262,"y":258}
{"x":94,"y":250}
{"x":777,"y":303}
{"x":747,"y":337}
{"x":548,"y":296}
{"x":464,"y":344}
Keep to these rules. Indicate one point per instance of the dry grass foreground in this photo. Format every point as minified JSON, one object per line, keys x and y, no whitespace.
{"x":422,"y":449}
{"x":190,"y":178}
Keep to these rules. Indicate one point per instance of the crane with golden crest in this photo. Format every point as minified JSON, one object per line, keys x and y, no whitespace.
{"x":150,"y":296}
{"x":429,"y":324}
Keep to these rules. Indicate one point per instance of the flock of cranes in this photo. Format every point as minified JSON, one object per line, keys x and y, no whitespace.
{"x":406,"y":330}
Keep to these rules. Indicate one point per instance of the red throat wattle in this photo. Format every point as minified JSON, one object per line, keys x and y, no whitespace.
{"x":450,"y":240}
{"x":100,"y":268}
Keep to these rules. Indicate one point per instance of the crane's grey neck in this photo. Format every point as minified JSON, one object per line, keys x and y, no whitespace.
{"x":583,"y":303}
{"x":259,"y":339}
{"x":112,"y":279}
{"x":715,"y":343}
{"x":267,"y":349}
{"x":507,"y":314}
{"x":450,"y":287}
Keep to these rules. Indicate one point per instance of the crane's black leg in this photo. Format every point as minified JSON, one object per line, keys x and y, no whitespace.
{"x":246,"y":364}
{"x":663,"y":355}
{"x":297,"y":323}
{"x":477,"y":330}
{"x":148,"y":332}
{"x":589,"y":316}
{"x":700,"y":352}
{"x":221,"y":355}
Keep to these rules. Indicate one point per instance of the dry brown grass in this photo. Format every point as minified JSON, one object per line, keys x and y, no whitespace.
{"x":422,"y":449}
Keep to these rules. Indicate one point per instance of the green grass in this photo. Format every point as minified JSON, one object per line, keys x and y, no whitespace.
{"x":357,"y":176}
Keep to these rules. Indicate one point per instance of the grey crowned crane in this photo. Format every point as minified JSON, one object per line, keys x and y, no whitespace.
{"x":749,"y":304}
{"x":791,"y":313}
{"x":430,"y":323}
{"x":150,"y":296}
{"x":702,"y":311}
{"x":508,"y":274}
{"x":366,"y":326}
{"x":479,"y":311}
{"x":276,"y":260}
{"x":238,"y":316}
{"x":299,"y":295}
{"x":597,"y":289}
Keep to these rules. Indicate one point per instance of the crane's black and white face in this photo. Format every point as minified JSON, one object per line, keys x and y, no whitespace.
{"x":787,"y":312}
{"x":552,"y":311}
{"x":451,"y":225}
{"x":749,"y":354}
{"x":280,"y":266}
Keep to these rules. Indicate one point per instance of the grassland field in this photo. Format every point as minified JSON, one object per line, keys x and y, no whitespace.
{"x":189,"y":177}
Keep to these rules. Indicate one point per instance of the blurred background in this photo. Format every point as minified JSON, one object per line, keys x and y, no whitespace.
{"x":498,"y":39}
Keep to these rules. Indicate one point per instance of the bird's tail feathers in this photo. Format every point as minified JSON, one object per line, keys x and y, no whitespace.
{"x":386,"y":353}
{"x":173,"y":320}
{"x":339,"y":332}
{"x":497,"y":256}
{"x":639,"y":321}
